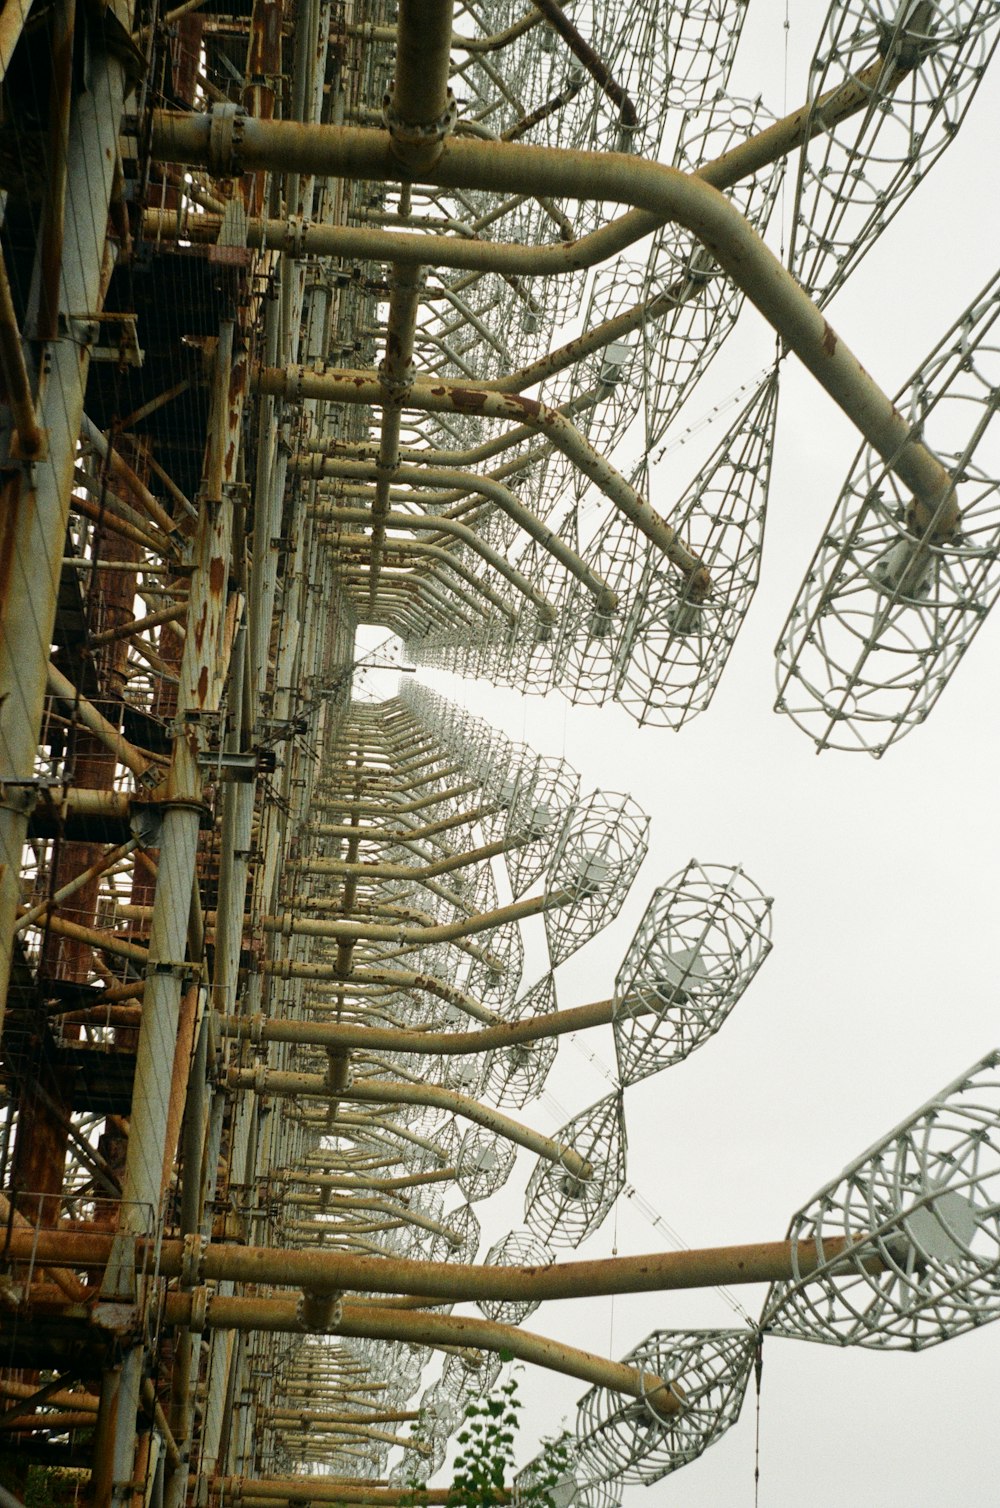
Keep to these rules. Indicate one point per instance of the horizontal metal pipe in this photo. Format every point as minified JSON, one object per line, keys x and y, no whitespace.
{"x":359,"y":547}
{"x":345,"y":1202}
{"x":495,"y":42}
{"x":406,"y":834}
{"x":331,"y":1272}
{"x":248,"y":1492}
{"x":296,"y":237}
{"x":85,"y":1402}
{"x":486,"y":487}
{"x":95,"y":722}
{"x":439,"y":396}
{"x":139,"y":625}
{"x":311,"y":1416}
{"x":395,"y":1092}
{"x":291,"y":924}
{"x":384,"y":1039}
{"x":660,"y":192}
{"x":19,"y":1225}
{"x":95,"y":937}
{"x":428,"y":871}
{"x":419,"y":1328}
{"x":419,"y":522}
{"x":29,"y":917}
{"x":401,"y":979}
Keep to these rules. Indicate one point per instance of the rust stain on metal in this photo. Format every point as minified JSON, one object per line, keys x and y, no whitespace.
{"x":829,"y":339}
{"x":468,"y":400}
{"x":531,"y":408}
{"x":217,"y":575}
{"x":203,"y":685}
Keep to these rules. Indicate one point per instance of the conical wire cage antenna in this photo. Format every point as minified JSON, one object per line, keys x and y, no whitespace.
{"x":681,"y":635}
{"x":919,"y":63}
{"x":705,"y":1373}
{"x":561,"y":1482}
{"x":538,"y":820}
{"x":484,"y":1163}
{"x":568,"y":1200}
{"x":519,"y":1248}
{"x":517,"y":1074}
{"x":596,"y":636}
{"x":899,"y":588}
{"x":703,"y":936}
{"x":907,"y":1239}
{"x":597,"y":856}
{"x":694,"y":304}
{"x":469,"y":1375}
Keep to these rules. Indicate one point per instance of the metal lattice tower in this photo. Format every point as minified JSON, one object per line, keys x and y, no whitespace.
{"x":325,"y":316}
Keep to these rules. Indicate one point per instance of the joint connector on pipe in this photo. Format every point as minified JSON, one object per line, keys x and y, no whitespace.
{"x":340,"y":1075}
{"x":319,"y":1313}
{"x":193,"y":1261}
{"x":417,"y":145}
{"x":225,"y":139}
{"x":201,"y":1300}
{"x":296,"y":229}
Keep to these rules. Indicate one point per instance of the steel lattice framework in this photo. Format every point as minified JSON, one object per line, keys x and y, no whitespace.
{"x":318,"y":315}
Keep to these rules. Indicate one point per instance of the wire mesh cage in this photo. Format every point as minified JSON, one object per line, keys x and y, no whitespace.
{"x":518,"y":1073}
{"x":519,"y":1248}
{"x":596,"y":857}
{"x":568,"y":1200}
{"x":693,"y":1387}
{"x":899,"y":587}
{"x":906,"y":1242}
{"x":917,"y":67}
{"x":703,"y":936}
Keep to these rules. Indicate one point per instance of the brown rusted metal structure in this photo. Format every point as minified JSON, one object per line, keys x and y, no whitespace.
{"x":286,"y":290}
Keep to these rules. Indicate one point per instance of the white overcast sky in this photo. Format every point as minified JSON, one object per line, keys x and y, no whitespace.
{"x":881,"y":987}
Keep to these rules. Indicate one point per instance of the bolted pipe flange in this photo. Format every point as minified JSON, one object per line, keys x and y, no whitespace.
{"x":294,"y":378}
{"x":417,"y":145}
{"x":193,"y":1261}
{"x":397,"y":384}
{"x":200,"y":1300}
{"x":225,"y":138}
{"x":295,"y":235}
{"x":339,"y":1073}
{"x":319,"y":1313}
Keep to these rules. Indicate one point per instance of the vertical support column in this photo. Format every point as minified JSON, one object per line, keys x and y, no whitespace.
{"x":34,"y":506}
{"x":202,"y":675}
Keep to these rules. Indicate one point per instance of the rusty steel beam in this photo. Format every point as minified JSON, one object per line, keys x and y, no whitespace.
{"x":420,"y":1328}
{"x":333,"y":1272}
{"x":659,"y":193}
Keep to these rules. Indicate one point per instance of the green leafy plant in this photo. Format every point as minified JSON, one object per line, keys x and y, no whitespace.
{"x":486,"y":1459}
{"x":484,"y":1467}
